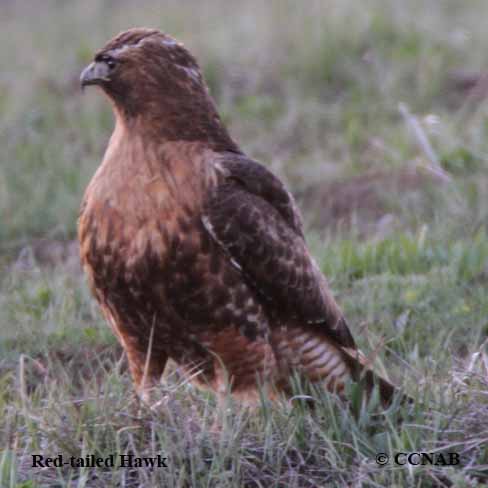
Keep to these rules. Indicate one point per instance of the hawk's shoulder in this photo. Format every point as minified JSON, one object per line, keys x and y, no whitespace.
{"x":256,"y":179}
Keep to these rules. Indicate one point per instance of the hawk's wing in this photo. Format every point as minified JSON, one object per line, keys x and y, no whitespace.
{"x":255,"y":221}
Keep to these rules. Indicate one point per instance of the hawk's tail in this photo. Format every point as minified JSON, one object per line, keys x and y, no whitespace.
{"x":323,"y":360}
{"x":361,"y":371}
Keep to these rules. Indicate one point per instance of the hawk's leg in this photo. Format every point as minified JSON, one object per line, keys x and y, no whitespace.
{"x":146,"y":370}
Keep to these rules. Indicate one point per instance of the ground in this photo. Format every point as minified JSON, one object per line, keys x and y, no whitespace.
{"x":375,"y":116}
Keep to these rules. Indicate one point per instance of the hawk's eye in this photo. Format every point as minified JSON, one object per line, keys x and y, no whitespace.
{"x":109,"y":61}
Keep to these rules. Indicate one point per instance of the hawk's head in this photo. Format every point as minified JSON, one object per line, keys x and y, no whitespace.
{"x":150,"y":76}
{"x":141,"y":63}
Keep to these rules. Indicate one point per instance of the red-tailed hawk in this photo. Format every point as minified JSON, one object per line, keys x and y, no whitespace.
{"x":195,"y":251}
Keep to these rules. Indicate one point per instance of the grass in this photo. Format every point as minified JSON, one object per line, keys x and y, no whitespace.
{"x":314,"y":93}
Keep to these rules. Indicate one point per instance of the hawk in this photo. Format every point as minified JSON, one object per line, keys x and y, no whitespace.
{"x":196,"y":252}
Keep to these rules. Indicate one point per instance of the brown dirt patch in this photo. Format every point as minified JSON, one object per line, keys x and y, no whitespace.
{"x":368,"y":202}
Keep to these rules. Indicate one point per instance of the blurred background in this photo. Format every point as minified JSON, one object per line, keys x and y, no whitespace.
{"x":374,"y":113}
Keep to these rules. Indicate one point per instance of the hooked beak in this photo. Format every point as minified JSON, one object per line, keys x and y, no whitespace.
{"x":94,"y":74}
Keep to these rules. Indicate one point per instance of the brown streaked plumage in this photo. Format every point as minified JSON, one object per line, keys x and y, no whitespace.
{"x":194,"y":251}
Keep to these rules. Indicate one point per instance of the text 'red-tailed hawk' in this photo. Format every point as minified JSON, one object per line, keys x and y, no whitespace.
{"x":195,"y":251}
